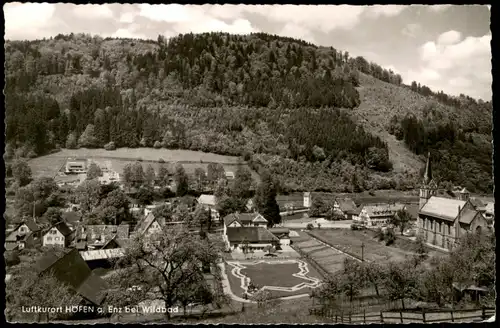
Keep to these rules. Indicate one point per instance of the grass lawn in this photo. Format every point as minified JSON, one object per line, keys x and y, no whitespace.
{"x":350,"y":241}
{"x":271,"y":276}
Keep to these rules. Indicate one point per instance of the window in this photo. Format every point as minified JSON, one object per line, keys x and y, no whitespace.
{"x":449,"y":229}
{"x":53,"y":232}
{"x":432,"y":224}
{"x":49,"y":239}
{"x":21,"y":229}
{"x":56,"y":238}
{"x":439,"y":226}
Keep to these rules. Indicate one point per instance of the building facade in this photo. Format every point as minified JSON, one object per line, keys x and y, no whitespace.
{"x":443,"y":221}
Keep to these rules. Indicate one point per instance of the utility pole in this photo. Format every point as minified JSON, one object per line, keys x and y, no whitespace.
{"x":362,"y":251}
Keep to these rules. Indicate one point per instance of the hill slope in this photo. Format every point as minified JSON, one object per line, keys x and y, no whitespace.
{"x":315,"y":117}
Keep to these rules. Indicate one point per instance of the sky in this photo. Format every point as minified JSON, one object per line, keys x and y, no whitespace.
{"x":445,"y":47}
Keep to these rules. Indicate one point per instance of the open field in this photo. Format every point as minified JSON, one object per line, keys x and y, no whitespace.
{"x":49,"y":165}
{"x":327,"y":258}
{"x":281,"y":278}
{"x":350,"y":241}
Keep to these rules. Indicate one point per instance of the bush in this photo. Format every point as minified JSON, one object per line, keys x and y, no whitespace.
{"x":110,"y":146}
{"x":31,"y":154}
{"x":389,"y":237}
{"x":157,"y":145}
{"x":309,"y":226}
{"x":354,"y":227}
{"x":161,"y":160}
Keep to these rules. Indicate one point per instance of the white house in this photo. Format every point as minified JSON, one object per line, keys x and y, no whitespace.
{"x":237,"y":220}
{"x":377,"y":215}
{"x":283,"y":234}
{"x":76,"y":166}
{"x":209,"y":203}
{"x":59,"y":235}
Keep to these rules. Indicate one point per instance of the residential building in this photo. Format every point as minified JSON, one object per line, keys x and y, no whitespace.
{"x":235,"y":220}
{"x":69,"y":180}
{"x":346,"y":207}
{"x":256,"y":238}
{"x":149,"y":225}
{"x":98,"y":236}
{"x":24,"y":235}
{"x":443,"y":221}
{"x":109,"y":177}
{"x":209,"y":203}
{"x":58,"y":235}
{"x":76,"y":167}
{"x":283,"y":234}
{"x":377,"y":215}
{"x":229,"y":175}
{"x":70,"y":268}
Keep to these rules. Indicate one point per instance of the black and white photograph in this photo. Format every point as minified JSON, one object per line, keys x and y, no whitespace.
{"x":248,"y":164}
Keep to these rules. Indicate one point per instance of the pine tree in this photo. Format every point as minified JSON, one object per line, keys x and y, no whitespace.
{"x":265,"y":200}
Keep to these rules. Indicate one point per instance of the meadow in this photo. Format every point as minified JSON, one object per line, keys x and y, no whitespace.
{"x":49,"y":165}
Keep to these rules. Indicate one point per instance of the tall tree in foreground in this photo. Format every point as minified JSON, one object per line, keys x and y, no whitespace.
{"x":242,"y":183}
{"x":401,"y":219}
{"x":265,"y":200}
{"x":169,"y":266}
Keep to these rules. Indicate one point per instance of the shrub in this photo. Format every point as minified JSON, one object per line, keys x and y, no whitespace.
{"x":31,"y":154}
{"x":161,"y":160}
{"x":309,"y":226}
{"x":110,"y":146}
{"x":354,"y":227}
{"x":157,"y":145}
{"x":389,"y":237}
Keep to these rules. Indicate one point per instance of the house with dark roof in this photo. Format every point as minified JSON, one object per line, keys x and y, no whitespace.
{"x":347,"y":207}
{"x":443,"y":221}
{"x":256,"y":238}
{"x":149,"y":226}
{"x":58,"y":235}
{"x":70,"y":268}
{"x":25,"y":235}
{"x":235,"y":220}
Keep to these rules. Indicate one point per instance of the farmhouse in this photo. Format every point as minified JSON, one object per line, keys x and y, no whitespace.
{"x":378,"y":215}
{"x":24,"y":235}
{"x":59,"y":235}
{"x":443,"y":221}
{"x":346,"y":207}
{"x":76,"y":166}
{"x":244,"y":220}
{"x":208,"y":202}
{"x":256,"y":238}
{"x":71,"y":269}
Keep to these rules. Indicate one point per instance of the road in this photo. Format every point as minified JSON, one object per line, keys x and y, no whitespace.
{"x":302,"y":224}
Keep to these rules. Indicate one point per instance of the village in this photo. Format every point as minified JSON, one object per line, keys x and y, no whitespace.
{"x":315,"y":236}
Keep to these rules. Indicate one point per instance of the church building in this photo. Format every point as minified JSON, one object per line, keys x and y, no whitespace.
{"x":443,"y":221}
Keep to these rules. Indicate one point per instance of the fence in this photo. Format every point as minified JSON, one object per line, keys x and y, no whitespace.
{"x":325,"y":274}
{"x":424,"y":316}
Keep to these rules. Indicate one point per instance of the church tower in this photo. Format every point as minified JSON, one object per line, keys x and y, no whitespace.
{"x":428,"y":188}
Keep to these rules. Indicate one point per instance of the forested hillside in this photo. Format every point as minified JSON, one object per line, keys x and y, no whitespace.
{"x":278,"y":102}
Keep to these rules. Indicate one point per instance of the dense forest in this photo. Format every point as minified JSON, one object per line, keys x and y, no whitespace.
{"x":278,"y":102}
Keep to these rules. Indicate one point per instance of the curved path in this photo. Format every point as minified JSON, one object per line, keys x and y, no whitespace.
{"x":227,"y":288}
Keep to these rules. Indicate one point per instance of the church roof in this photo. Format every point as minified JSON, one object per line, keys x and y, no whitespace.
{"x":443,"y":208}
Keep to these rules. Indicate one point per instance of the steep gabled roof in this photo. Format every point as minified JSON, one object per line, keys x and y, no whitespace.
{"x":443,"y":208}
{"x":347,"y":205}
{"x":32,"y":225}
{"x":244,"y":218}
{"x":146,"y":223}
{"x":70,"y":268}
{"x":63,"y":228}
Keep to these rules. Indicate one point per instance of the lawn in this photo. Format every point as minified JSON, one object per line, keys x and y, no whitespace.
{"x":49,"y":165}
{"x":350,"y":241}
{"x":280,"y":277}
